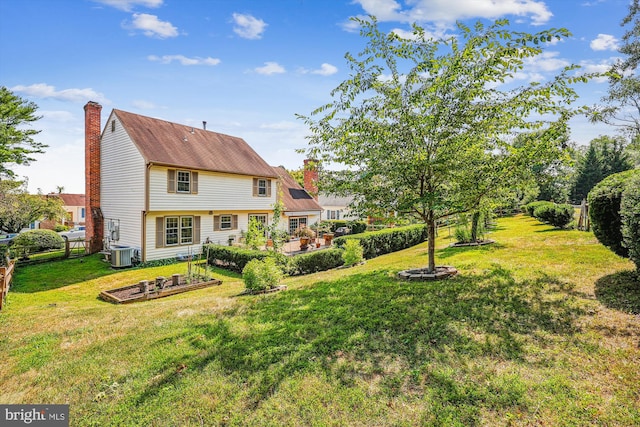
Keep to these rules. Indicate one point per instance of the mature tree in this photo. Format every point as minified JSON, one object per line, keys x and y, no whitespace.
{"x":605,"y":156}
{"x":16,"y":138}
{"x":621,"y":106}
{"x":18,"y":208}
{"x":422,"y":126}
{"x":588,"y":174}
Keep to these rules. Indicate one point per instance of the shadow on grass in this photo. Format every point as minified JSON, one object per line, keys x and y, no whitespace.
{"x":410,"y":335}
{"x":620,"y":291}
{"x":450,"y":251}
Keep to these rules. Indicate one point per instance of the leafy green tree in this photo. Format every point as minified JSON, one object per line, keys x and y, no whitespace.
{"x":621,"y":106}
{"x":588,"y":174}
{"x":18,"y":208}
{"x":422,"y":127}
{"x":16,"y":138}
{"x":255,"y":236}
{"x":605,"y":156}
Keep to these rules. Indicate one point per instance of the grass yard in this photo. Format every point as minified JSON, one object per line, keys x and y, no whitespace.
{"x":541,"y":328}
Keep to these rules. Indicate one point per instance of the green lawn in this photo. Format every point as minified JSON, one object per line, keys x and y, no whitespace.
{"x":541,"y":328}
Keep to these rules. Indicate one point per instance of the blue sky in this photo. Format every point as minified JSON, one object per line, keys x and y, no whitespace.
{"x":247,"y":67}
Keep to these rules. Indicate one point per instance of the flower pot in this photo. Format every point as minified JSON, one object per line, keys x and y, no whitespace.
{"x":304,"y":243}
{"x":328,"y":237}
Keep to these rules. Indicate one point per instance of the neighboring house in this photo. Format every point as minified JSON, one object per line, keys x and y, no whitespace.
{"x":74,"y":206}
{"x":166,"y":188}
{"x":300,"y":208}
{"x":335,"y":207}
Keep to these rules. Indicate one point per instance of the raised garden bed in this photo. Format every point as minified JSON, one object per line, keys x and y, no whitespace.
{"x":152,"y":289}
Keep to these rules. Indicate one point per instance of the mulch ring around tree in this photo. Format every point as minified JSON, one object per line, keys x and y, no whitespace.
{"x":152,"y":289}
{"x":423,"y":274}
{"x":466,"y":244}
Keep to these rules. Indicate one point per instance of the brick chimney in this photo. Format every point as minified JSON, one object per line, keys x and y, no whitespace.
{"x":93,"y":222}
{"x":311,"y":177}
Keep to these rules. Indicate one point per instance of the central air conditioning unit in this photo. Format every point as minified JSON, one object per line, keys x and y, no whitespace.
{"x":122,"y":256}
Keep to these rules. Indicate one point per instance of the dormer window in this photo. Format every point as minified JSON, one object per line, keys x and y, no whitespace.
{"x":261,"y":187}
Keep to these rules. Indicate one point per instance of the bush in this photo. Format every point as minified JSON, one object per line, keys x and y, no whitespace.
{"x":233,"y":258}
{"x":604,"y":210}
{"x":531,"y":207}
{"x":59,"y":227}
{"x":375,"y":243}
{"x":38,"y":241}
{"x":557,"y":215}
{"x":352,"y":252}
{"x":630,"y":218}
{"x":259,"y":275}
{"x":313,"y":262}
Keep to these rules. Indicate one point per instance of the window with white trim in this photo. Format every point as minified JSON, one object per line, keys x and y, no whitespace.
{"x":262,"y":187}
{"x":171,"y":228}
{"x":226,"y":222}
{"x":184,"y":182}
{"x":186,"y":230}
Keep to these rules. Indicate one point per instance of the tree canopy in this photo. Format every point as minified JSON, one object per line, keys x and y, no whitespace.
{"x":16,"y":137}
{"x":18,"y":208}
{"x":423,"y":127}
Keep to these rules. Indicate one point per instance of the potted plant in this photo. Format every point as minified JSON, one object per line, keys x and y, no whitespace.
{"x":305,"y":234}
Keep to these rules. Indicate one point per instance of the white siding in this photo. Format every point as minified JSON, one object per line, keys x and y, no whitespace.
{"x":122,"y":188}
{"x":216,"y":192}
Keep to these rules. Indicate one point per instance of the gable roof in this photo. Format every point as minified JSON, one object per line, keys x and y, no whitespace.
{"x":70,"y":199}
{"x":294,"y":197}
{"x":182,"y":146}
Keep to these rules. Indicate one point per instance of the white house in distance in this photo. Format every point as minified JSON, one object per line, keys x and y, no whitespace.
{"x":74,"y":206}
{"x":335,"y":207}
{"x":166,"y":188}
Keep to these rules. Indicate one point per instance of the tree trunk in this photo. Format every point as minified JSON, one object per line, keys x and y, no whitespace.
{"x":431,"y":228}
{"x":474,"y":226}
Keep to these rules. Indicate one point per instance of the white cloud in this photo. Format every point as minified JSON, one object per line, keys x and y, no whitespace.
{"x":57,"y":116}
{"x":167,"y":59}
{"x":248,"y":27}
{"x":151,"y":26}
{"x":270,"y":68}
{"x":597,"y":67}
{"x":545,"y":62}
{"x":128,"y":5}
{"x":325,"y":70}
{"x":450,"y":11}
{"x":42,"y":90}
{"x":604,"y":42}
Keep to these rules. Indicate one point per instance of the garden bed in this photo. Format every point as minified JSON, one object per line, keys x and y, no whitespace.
{"x":478,"y":243}
{"x":135,"y":293}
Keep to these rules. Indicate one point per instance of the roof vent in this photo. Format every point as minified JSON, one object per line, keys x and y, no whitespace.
{"x":192,"y":131}
{"x":204,"y":124}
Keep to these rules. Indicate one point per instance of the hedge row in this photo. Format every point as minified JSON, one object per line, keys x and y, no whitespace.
{"x":235,"y":259}
{"x":557,"y":215}
{"x":376,"y":243}
{"x":614,"y":213}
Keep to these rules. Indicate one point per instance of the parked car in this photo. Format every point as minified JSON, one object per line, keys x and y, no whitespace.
{"x":7,"y":239}
{"x":341,"y":231}
{"x":76,"y":233}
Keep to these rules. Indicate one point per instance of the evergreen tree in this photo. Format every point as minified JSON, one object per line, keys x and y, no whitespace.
{"x":588,"y":175}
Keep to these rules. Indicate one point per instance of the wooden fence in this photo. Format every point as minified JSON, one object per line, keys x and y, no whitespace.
{"x":6,"y":274}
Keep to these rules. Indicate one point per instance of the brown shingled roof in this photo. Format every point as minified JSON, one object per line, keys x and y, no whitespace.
{"x":294,"y":197}
{"x":70,"y":199}
{"x":172,"y":144}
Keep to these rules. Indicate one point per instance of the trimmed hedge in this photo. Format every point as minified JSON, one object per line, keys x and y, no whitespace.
{"x":38,"y":240}
{"x":313,"y":262}
{"x":376,"y":243}
{"x":630,"y":217}
{"x":531,"y":207}
{"x":604,"y":210}
{"x":233,"y":258}
{"x":557,"y":215}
